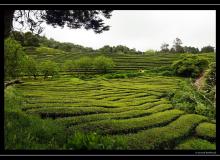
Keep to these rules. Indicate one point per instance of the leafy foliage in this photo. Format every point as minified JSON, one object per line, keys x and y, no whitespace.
{"x":187,"y":98}
{"x":103,"y":64}
{"x":49,"y":68}
{"x":84,"y":63}
{"x":191,"y":66}
{"x":196,"y":144}
{"x":207,"y":49}
{"x":31,"y":67}
{"x":14,"y":58}
{"x":206,"y":130}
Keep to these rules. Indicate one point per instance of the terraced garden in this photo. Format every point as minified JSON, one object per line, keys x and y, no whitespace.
{"x":136,"y":110}
{"x":123,"y":62}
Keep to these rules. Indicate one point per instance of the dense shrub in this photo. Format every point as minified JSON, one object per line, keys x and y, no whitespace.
{"x":211,"y":75}
{"x":207,"y":49}
{"x":103,"y":64}
{"x":84,"y":63}
{"x":93,"y":141}
{"x":69,"y":65}
{"x":187,"y":98}
{"x":191,"y":66}
{"x":23,"y":131}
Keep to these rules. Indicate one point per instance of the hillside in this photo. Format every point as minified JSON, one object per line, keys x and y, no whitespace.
{"x":144,"y":112}
{"x":122,"y":61}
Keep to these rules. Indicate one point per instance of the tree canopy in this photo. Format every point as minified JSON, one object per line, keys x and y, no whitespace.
{"x":87,"y":19}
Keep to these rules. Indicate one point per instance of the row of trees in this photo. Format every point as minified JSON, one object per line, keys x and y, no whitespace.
{"x":120,"y":49}
{"x":29,"y":39}
{"x":18,"y":63}
{"x":178,"y":48}
{"x":100,"y":64}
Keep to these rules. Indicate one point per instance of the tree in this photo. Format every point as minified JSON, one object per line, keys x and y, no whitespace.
{"x":69,"y":65}
{"x":31,"y":40}
{"x":49,"y":68}
{"x":31,"y":67}
{"x":103,"y":64}
{"x":121,"y":49}
{"x":88,"y":19}
{"x":190,"y":66}
{"x":14,"y":58}
{"x":207,"y":49}
{"x":149,"y":52}
{"x":190,"y":49}
{"x":164,"y":48}
{"x":84,"y":63}
{"x":18,"y":36}
{"x":106,"y":49}
{"x":177,"y":46}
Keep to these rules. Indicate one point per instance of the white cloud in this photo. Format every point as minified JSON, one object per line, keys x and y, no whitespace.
{"x":146,"y":29}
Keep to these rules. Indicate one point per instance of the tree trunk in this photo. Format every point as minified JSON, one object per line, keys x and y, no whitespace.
{"x":8,"y":19}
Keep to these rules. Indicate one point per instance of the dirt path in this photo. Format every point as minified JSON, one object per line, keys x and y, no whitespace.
{"x":199,"y":83}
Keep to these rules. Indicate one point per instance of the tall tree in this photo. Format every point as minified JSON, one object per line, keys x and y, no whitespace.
{"x":88,"y":19}
{"x":164,"y":47}
{"x":177,"y":45}
{"x":207,"y":49}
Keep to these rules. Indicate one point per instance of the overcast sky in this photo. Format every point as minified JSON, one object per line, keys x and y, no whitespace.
{"x":145,"y":29}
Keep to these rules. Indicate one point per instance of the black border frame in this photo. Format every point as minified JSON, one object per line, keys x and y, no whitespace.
{"x":106,"y":153}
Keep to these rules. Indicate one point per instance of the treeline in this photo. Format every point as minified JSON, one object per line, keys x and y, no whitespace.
{"x":17,"y":63}
{"x":178,"y":48}
{"x":28,"y":39}
{"x":32,"y":40}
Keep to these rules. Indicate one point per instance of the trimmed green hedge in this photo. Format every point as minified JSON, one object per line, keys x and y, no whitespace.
{"x":164,"y":137}
{"x":122,"y":115}
{"x":196,"y":144}
{"x":130,"y":125}
{"x":206,"y":131}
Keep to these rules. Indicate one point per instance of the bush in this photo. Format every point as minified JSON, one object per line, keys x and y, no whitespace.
{"x":23,"y":131}
{"x":84,"y":63}
{"x":93,"y":141}
{"x":49,"y":68}
{"x":206,"y":130}
{"x":190,"y":100}
{"x":207,"y":49}
{"x":123,"y":75}
{"x":191,"y":66}
{"x":69,"y":65}
{"x":196,"y":144}
{"x":103,"y":64}
{"x":211,"y":75}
